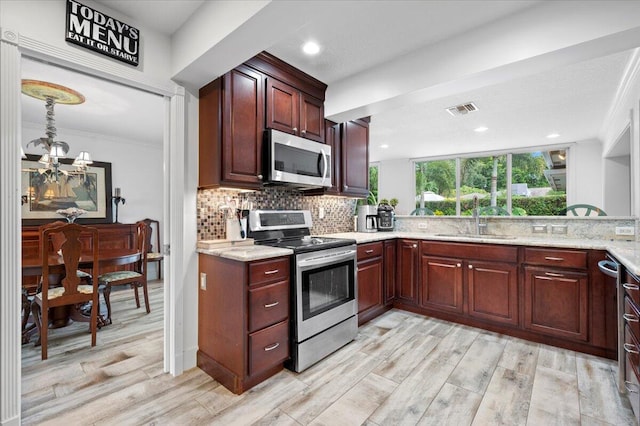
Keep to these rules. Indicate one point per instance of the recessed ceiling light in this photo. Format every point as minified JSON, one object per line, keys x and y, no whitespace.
{"x":384,"y":146}
{"x":553,"y":135}
{"x":480,"y":129}
{"x":311,"y":48}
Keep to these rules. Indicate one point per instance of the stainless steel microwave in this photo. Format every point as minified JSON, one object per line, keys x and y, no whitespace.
{"x":293,"y":160}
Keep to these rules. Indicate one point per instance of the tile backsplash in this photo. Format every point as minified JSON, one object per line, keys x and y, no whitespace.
{"x":338,"y":211}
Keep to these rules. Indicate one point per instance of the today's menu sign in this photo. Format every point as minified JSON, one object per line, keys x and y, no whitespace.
{"x":96,"y":31}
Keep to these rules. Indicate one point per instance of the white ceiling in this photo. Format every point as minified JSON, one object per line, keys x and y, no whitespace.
{"x":109,"y":109}
{"x":360,"y":35}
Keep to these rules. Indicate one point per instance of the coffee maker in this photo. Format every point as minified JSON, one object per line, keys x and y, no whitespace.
{"x":367,"y":219}
{"x":386,"y":217}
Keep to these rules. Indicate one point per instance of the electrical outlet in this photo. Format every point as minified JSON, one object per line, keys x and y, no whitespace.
{"x":422,"y":226}
{"x":625,"y":230}
{"x":321,"y":212}
{"x":203,"y":281}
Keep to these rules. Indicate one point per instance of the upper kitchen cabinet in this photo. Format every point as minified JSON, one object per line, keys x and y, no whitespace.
{"x":294,"y":100}
{"x":355,"y":158}
{"x":332,"y":138}
{"x":231,"y":129}
{"x":236,"y":108}
{"x":292,"y":111}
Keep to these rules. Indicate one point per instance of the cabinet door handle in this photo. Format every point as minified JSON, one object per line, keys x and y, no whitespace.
{"x":628,"y":286}
{"x":272,"y":347}
{"x":470,"y":266}
{"x":271,"y":305}
{"x":346,"y":187}
{"x":295,"y":129}
{"x":415,"y":246}
{"x":628,"y":347}
{"x":632,"y":389}
{"x":274,"y":271}
{"x":303,"y":131}
{"x":260,"y":177}
{"x":555,"y":259}
{"x":552,"y":274}
{"x":630,"y":317}
{"x":458,"y":265}
{"x":368,"y":251}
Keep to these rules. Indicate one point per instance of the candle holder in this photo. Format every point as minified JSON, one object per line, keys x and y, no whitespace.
{"x":117,"y":199}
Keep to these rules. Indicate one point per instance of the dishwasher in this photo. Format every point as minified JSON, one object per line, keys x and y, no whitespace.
{"x":612,"y":268}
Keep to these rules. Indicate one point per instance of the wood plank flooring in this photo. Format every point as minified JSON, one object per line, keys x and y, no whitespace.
{"x":402,"y":369}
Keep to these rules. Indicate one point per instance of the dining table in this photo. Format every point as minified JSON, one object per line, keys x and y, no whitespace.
{"x":60,"y":317}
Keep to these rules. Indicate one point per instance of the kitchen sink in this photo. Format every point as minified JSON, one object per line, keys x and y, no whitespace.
{"x":479,"y":236}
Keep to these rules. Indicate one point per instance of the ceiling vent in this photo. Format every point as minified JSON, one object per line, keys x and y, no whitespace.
{"x":462,"y":109}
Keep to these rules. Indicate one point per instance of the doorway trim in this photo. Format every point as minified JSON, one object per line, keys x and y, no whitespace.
{"x":13,"y":47}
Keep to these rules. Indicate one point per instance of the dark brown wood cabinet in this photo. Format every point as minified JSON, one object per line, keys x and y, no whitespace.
{"x":556,"y":292}
{"x":370,"y":281}
{"x":293,"y":111}
{"x":556,"y":302}
{"x":441,"y":284}
{"x":235,"y":110}
{"x":243,"y":319}
{"x":408,"y":265}
{"x":480,"y":282}
{"x":332,"y":138}
{"x":389,"y":284}
{"x":492,"y":289}
{"x":231,"y":130}
{"x":354,"y":159}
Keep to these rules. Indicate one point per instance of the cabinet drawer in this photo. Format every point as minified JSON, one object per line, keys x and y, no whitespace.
{"x":631,"y":317}
{"x":560,"y":258}
{"x":370,"y":250}
{"x":471,"y":251}
{"x":632,"y":288}
{"x":631,"y":349}
{"x":268,"y":347}
{"x":269,"y":271}
{"x":268,"y":305}
{"x":632,"y":384}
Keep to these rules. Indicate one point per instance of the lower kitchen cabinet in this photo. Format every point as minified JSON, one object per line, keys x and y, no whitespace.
{"x":481,"y":282}
{"x":556,"y":302}
{"x":243,"y":319}
{"x":493,"y":291}
{"x":389,"y":284}
{"x":441,"y":284}
{"x":408,"y":265}
{"x":370,"y":281}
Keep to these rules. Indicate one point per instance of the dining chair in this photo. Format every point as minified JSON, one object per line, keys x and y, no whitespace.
{"x":135,"y":278}
{"x":154,"y":254}
{"x":584,"y":210}
{"x":57,"y":240}
{"x":72,"y":291}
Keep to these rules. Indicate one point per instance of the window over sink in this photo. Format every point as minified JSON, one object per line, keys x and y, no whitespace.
{"x":530,"y":183}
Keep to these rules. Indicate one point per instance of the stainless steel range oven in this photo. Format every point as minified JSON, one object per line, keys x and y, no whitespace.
{"x":324,"y":284}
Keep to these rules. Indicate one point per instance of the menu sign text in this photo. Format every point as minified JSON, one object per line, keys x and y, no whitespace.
{"x":96,"y":31}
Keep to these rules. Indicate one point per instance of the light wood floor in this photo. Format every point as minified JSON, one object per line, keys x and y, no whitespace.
{"x":403,"y":369}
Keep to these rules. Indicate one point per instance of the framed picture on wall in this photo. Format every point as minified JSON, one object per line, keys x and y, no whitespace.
{"x":43,"y":191}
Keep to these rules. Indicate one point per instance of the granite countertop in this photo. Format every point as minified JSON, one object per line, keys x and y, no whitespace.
{"x":626,"y":252}
{"x":247,"y":253}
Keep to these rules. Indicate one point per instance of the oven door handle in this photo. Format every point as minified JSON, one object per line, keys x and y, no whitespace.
{"x":325,"y":260}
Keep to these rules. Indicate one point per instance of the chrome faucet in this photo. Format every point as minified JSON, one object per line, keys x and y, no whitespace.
{"x":480,"y":225}
{"x":476,"y":214}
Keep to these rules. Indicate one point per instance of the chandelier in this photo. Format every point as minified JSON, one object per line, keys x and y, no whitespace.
{"x":53,"y":93}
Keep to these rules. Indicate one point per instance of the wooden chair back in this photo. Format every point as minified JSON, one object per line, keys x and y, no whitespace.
{"x":71,"y":291}
{"x":155,"y":252}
